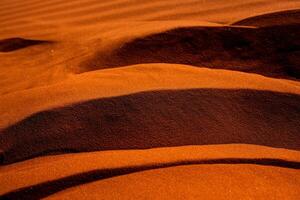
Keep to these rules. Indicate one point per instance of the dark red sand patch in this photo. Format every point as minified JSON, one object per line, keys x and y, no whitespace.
{"x":271,"y":19}
{"x":45,"y":189}
{"x":158,"y":119}
{"x":13,"y":44}
{"x":265,"y":51}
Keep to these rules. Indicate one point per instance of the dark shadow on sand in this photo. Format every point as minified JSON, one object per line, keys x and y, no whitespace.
{"x":260,"y":50}
{"x":45,"y":189}
{"x":13,"y":44}
{"x":271,"y":19}
{"x":158,"y":119}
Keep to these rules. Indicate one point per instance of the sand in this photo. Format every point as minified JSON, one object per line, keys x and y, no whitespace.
{"x":132,"y":99}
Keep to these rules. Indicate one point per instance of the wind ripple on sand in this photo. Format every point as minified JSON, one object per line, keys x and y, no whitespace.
{"x":48,"y":106}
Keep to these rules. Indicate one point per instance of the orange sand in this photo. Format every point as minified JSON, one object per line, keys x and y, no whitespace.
{"x":144,"y":80}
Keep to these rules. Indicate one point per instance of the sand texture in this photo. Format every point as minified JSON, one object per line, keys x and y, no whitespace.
{"x":154,"y":99}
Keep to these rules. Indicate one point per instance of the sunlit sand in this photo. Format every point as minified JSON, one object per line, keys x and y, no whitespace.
{"x":133,"y":99}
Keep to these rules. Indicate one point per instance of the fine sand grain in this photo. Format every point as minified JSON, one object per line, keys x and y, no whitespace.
{"x":156,"y":99}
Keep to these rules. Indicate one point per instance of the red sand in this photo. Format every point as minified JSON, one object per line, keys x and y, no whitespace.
{"x":79,"y":77}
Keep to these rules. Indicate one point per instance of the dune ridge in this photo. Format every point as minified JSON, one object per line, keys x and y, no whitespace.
{"x":138,"y":160}
{"x":126,"y":80}
{"x":46,"y":189}
{"x":157,"y":99}
{"x":266,"y":51}
{"x":271,"y":19}
{"x":203,"y":184}
{"x":109,"y":123}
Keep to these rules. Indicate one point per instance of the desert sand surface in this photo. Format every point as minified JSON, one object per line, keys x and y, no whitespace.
{"x":133,"y":99}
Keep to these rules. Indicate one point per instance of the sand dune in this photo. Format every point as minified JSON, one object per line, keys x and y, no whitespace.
{"x":119,"y":90}
{"x":164,"y":182}
{"x":127,"y":80}
{"x":265,"y":51}
{"x":82,"y":168}
{"x":206,"y":116}
{"x":269,"y":19}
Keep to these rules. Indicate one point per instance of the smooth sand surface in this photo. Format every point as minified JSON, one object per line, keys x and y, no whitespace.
{"x":119,"y":90}
{"x":194,"y":182}
{"x":53,"y":174}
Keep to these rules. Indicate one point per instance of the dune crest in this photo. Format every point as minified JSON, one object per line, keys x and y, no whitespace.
{"x":264,"y":51}
{"x":271,"y":19}
{"x":149,"y":99}
{"x":80,"y":169}
{"x":205,"y":116}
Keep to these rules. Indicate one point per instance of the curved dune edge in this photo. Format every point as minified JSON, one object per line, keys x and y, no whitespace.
{"x":59,"y":59}
{"x":41,"y":78}
{"x":165,"y":118}
{"x":51,"y":168}
{"x":131,"y":79}
{"x":251,"y":50}
{"x":193,"y":182}
{"x":278,"y":17}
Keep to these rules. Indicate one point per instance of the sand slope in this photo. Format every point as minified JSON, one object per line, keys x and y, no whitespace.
{"x":206,"y":116}
{"x":109,"y":167}
{"x":269,"y":51}
{"x":98,"y":83}
{"x":273,"y":18}
{"x":194,"y":182}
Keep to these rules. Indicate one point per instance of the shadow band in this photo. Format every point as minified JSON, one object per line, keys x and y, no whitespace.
{"x":232,"y":48}
{"x":151,"y":119}
{"x":45,"y":189}
{"x":13,"y":44}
